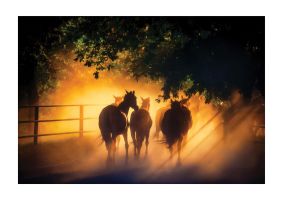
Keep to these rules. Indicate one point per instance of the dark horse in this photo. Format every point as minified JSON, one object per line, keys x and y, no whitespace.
{"x":158,"y":118}
{"x":140,"y":125}
{"x":175,"y":125}
{"x":160,"y":114}
{"x":113,"y":122}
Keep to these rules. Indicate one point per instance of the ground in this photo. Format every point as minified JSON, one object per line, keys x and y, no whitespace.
{"x":82,"y":160}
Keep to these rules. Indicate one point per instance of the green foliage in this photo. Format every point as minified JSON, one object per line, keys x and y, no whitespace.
{"x":211,"y":56}
{"x":44,"y":71}
{"x":148,"y":43}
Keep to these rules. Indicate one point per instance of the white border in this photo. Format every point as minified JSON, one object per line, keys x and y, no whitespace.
{"x":10,"y":10}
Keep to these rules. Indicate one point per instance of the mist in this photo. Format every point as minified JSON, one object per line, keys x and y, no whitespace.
{"x":216,"y":149}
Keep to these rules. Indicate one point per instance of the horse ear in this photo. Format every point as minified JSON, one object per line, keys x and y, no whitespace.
{"x":127,"y":92}
{"x":183,"y":101}
{"x":142,"y":99}
{"x":133,"y":91}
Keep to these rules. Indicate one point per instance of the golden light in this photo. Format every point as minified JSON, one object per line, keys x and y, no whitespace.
{"x":79,"y":87}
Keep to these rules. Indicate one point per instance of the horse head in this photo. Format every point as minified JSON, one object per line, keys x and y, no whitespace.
{"x":118,"y":99}
{"x":176,"y":104}
{"x":145,"y":103}
{"x":131,"y":100}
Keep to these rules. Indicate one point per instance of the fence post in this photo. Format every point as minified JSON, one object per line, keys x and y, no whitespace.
{"x":81,"y":120}
{"x":35,"y":128}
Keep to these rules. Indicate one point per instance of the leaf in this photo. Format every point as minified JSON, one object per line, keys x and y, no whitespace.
{"x":96,"y":75}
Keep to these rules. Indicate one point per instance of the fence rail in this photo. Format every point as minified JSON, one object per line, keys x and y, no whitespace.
{"x":60,"y":105}
{"x":55,"y":120}
{"x":36,"y":120}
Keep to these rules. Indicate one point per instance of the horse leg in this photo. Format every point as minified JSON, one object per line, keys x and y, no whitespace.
{"x":125,"y":135}
{"x":139,"y":144}
{"x":146,"y":143}
{"x":114,"y":147}
{"x":171,"y":152}
{"x":108,"y":143}
{"x":109,"y":148}
{"x":184,"y":140}
{"x":179,"y":146}
{"x":133,"y":134}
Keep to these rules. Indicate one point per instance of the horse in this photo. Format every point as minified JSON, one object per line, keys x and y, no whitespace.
{"x":175,"y":125}
{"x":118,"y":100}
{"x":160,"y":114}
{"x":140,"y":124}
{"x":158,"y":118}
{"x":113,"y":122}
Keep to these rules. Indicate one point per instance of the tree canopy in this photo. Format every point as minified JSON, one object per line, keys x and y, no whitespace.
{"x":210,"y":55}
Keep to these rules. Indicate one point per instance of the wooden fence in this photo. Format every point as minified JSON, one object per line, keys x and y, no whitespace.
{"x":36,"y":121}
{"x":81,"y":119}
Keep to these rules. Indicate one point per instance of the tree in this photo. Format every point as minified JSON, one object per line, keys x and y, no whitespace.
{"x":209,"y":55}
{"x":36,"y":42}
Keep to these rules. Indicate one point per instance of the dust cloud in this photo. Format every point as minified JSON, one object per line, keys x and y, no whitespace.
{"x":220,"y":146}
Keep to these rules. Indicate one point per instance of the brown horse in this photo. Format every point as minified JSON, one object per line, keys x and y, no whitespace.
{"x":118,"y":100}
{"x":113,"y":122}
{"x":140,"y":125}
{"x":175,"y":125}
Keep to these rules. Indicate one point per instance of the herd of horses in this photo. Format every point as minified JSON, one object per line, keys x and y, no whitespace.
{"x":173,"y":121}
